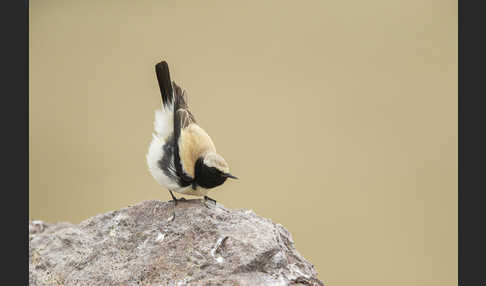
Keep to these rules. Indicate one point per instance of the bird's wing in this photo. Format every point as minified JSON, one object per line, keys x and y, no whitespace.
{"x":176,"y":123}
{"x":183,"y":119}
{"x":182,"y":115}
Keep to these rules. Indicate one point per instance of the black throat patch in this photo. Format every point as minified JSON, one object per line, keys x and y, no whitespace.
{"x":207,"y":177}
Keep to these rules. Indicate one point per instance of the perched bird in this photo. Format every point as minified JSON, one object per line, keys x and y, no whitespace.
{"x":182,"y":157}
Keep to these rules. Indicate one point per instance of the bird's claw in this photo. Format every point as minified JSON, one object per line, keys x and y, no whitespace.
{"x":174,"y":199}
{"x":206,"y":198}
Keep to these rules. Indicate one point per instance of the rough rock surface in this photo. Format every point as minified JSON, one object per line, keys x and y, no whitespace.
{"x":146,"y":244}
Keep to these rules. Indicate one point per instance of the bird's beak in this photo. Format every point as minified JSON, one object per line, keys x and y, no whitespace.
{"x":230,"y":176}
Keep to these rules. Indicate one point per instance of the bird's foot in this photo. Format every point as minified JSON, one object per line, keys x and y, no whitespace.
{"x":206,"y":198}
{"x":174,"y":199}
{"x":177,"y":200}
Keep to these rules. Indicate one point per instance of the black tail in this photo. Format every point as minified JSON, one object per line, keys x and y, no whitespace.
{"x":163,"y":76}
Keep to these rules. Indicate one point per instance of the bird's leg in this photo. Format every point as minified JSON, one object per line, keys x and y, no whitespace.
{"x":206,"y":198}
{"x":175,"y":199}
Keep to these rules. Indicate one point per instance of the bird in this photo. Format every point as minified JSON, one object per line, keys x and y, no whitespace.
{"x":182,"y":156}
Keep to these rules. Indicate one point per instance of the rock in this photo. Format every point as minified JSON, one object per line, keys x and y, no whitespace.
{"x":153,"y":243}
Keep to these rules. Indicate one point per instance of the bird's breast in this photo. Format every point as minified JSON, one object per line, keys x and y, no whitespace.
{"x":193,"y":143}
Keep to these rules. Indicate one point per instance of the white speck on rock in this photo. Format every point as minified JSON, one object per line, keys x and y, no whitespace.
{"x":296,"y":271}
{"x":160,"y":237}
{"x":120,"y":217}
{"x":183,"y":282}
{"x":171,"y":218}
{"x":218,"y":258}
{"x":113,"y":232}
{"x":141,"y":246}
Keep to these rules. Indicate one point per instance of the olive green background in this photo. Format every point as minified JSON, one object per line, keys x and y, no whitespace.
{"x":339,"y":117}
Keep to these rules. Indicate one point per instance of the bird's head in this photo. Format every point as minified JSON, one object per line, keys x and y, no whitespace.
{"x":211,"y":170}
